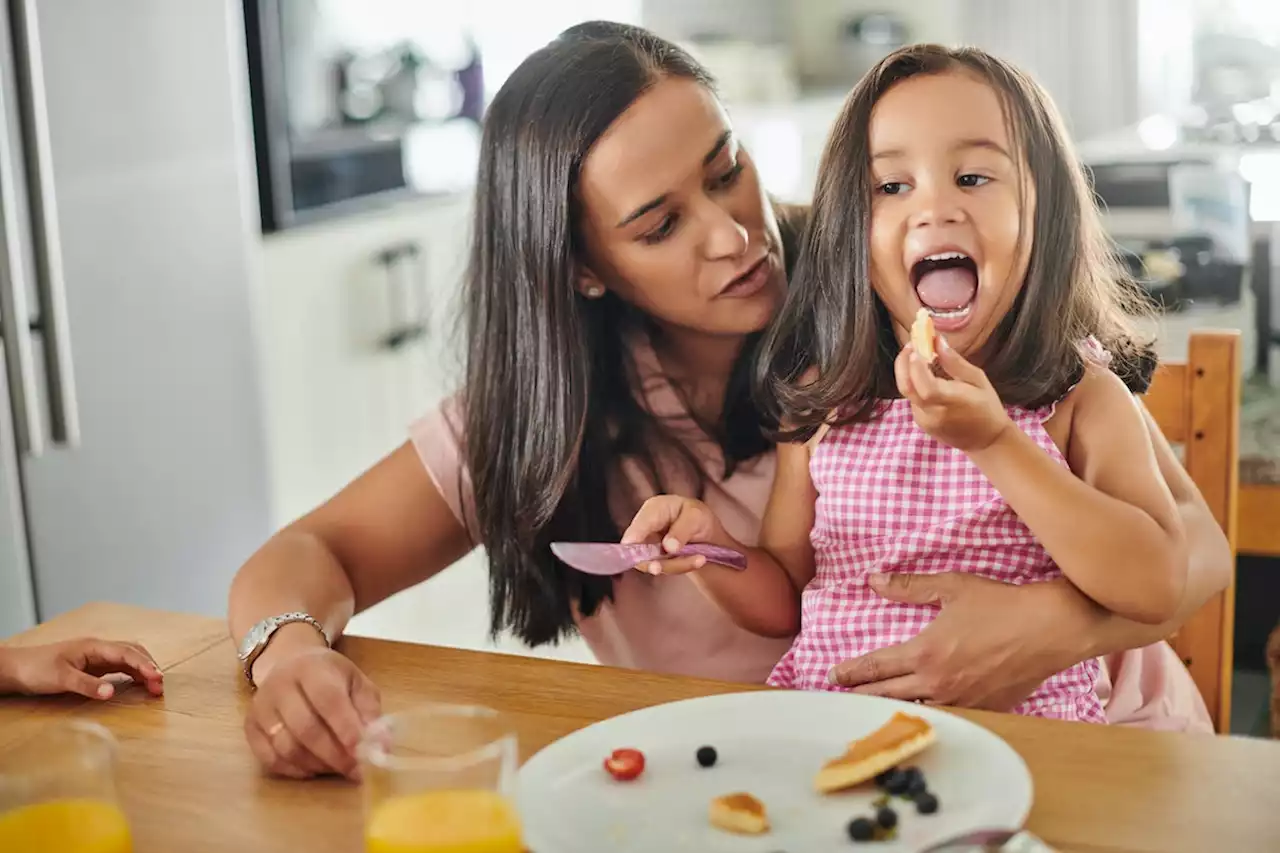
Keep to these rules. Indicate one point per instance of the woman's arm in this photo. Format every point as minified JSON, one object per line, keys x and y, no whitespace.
{"x":386,"y":531}
{"x":764,"y":598}
{"x":1110,"y":523}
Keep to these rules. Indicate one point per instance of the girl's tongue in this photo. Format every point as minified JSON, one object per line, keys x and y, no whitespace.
{"x":947,"y":289}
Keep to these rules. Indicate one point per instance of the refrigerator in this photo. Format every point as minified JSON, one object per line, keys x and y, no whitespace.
{"x":133,"y":457}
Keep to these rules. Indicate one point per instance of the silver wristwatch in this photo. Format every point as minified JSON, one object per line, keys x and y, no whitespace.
{"x":255,"y":642}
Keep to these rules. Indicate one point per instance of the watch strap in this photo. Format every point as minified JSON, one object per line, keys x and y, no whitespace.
{"x":268,"y":627}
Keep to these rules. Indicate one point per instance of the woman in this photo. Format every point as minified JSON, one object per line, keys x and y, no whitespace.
{"x":625,"y":258}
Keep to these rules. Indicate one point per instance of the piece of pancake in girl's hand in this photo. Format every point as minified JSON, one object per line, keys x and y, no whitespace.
{"x":922,"y":333}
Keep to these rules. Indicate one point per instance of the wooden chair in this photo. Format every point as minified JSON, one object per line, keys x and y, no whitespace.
{"x":1197,"y":405}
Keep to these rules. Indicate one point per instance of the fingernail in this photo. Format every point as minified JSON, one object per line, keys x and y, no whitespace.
{"x":671,"y":544}
{"x":877,"y":580}
{"x":655,"y":569}
{"x":699,"y":561}
{"x":105,"y":691}
{"x":942,"y":343}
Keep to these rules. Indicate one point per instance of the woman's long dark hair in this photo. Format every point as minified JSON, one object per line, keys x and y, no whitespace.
{"x":551,"y":403}
{"x":833,"y":321}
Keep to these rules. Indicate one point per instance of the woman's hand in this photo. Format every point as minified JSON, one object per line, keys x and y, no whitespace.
{"x":964,"y":411}
{"x":77,"y":666}
{"x":675,"y":522}
{"x":991,"y":645}
{"x":309,"y":713}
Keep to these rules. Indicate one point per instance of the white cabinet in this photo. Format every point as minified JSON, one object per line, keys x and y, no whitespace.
{"x":338,"y":399}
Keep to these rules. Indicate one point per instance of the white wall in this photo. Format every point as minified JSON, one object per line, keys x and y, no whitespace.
{"x":760,"y":21}
{"x":1085,"y":52}
{"x":1106,"y":62}
{"x":816,"y":31}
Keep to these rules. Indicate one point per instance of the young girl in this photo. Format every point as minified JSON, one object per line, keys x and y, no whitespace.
{"x":1019,"y":454}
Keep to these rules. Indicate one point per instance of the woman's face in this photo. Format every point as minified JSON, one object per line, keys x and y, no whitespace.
{"x":675,"y":219}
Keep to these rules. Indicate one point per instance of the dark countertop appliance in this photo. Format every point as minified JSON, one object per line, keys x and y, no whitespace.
{"x":345,"y":118}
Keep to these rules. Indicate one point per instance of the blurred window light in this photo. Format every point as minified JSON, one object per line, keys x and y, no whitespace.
{"x":776,"y":148}
{"x":1262,"y":170}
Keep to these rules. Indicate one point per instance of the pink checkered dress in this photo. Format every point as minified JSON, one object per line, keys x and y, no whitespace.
{"x":892,"y":499}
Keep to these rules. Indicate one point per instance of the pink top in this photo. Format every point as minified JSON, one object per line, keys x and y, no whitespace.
{"x":666,"y":624}
{"x":892,"y":499}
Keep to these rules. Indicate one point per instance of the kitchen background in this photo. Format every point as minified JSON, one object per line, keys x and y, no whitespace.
{"x":238,"y":231}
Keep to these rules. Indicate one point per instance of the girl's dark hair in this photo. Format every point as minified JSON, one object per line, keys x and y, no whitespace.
{"x":832,"y":320}
{"x":551,"y":403}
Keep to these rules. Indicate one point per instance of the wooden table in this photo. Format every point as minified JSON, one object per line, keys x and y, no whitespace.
{"x":190,"y":784}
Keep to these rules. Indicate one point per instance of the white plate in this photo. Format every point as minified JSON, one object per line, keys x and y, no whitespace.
{"x":770,"y":743}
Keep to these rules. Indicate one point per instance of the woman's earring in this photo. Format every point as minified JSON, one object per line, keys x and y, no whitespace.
{"x":595,"y":291}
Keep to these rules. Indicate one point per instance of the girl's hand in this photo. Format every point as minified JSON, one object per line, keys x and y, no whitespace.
{"x":964,"y":411}
{"x":675,"y":522}
{"x":77,"y":666}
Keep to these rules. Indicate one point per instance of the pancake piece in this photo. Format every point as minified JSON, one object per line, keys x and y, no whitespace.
{"x":922,"y":333}
{"x":888,"y":746}
{"x":739,"y":813}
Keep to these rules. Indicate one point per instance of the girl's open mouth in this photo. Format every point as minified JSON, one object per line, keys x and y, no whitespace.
{"x":946,"y":284}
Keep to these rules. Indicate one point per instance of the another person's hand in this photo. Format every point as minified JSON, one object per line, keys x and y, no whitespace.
{"x":990,"y":646}
{"x":675,"y":522}
{"x":309,"y":713}
{"x":77,"y":666}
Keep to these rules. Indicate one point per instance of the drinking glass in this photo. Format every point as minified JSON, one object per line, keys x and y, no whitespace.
{"x":440,"y":779}
{"x":58,"y":793}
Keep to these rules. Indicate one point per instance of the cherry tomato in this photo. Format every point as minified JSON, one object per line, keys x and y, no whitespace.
{"x":625,"y":764}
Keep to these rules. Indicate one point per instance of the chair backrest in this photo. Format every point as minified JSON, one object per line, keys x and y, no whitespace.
{"x":1197,"y":405}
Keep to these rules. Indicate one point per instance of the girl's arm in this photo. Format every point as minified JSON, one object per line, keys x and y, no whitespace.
{"x":763,"y":599}
{"x":993,"y":642}
{"x":1110,"y":523}
{"x":1209,"y":561}
{"x":788,"y":517}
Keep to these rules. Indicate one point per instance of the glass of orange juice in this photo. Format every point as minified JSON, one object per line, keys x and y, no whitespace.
{"x":440,"y":779}
{"x":58,"y":793}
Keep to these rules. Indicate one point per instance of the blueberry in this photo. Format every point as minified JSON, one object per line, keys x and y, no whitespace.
{"x":887,"y":818}
{"x":915,"y":786}
{"x":861,"y":829}
{"x":897,"y":782}
{"x":706,"y":756}
{"x":927,"y":803}
{"x":882,"y":778}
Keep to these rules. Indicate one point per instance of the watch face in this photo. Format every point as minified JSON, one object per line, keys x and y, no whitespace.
{"x":254,"y":637}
